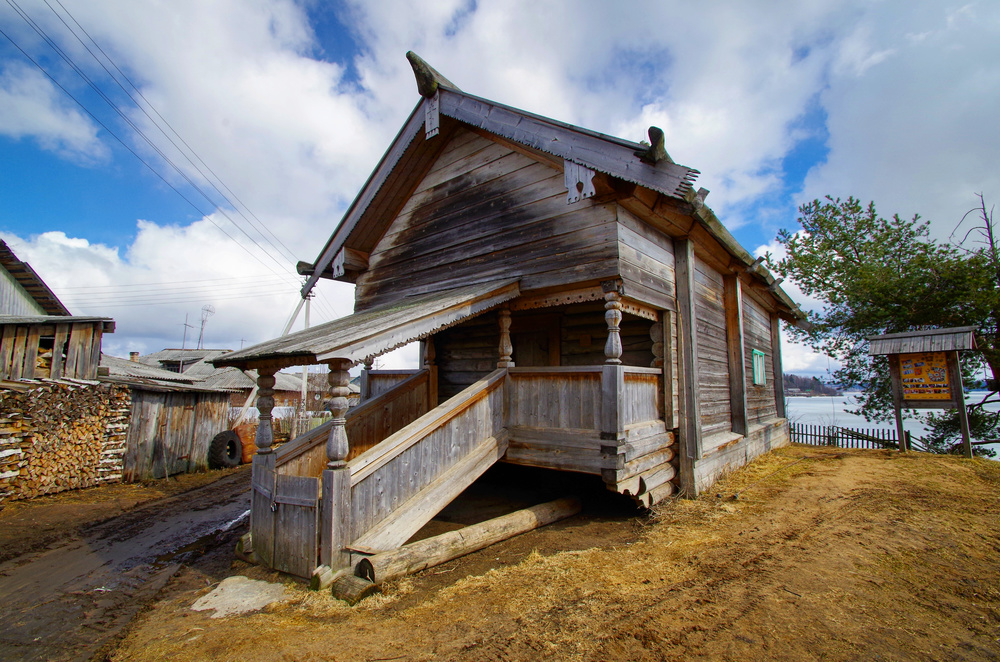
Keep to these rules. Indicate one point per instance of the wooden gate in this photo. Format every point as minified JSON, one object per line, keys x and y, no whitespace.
{"x":284,"y":516}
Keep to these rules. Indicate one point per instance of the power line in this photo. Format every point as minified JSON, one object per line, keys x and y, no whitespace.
{"x":327,"y":308}
{"x":262,"y":226}
{"x":132,"y":151}
{"x":62,"y":54}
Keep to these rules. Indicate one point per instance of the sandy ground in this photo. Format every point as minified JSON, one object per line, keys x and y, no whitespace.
{"x":806,"y":554}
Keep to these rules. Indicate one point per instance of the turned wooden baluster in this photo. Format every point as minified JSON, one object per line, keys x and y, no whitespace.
{"x":430,"y":354}
{"x":506,"y":348}
{"x":366,"y":384}
{"x":613,"y":316}
{"x":265,"y":403}
{"x":336,"y":444}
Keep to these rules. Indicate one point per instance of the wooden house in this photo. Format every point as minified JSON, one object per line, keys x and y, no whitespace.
{"x":39,"y":338}
{"x":578,"y":308}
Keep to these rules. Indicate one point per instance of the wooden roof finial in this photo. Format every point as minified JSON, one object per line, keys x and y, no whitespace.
{"x":428,"y":78}
{"x":656,"y":151}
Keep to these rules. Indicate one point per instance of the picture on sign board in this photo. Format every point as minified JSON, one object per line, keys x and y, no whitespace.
{"x":925,"y":376}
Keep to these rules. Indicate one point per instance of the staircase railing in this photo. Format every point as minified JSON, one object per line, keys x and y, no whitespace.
{"x":367,"y":424}
{"x":398,"y":485}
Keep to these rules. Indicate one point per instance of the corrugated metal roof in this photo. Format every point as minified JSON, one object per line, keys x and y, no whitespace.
{"x":931,"y":340}
{"x":194,"y":360}
{"x":119,"y":367}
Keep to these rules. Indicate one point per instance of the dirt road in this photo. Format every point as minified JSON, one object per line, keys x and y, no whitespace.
{"x":69,"y":601}
{"x":806,"y":554}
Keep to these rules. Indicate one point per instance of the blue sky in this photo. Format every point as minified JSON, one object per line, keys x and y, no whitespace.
{"x":281,"y":109}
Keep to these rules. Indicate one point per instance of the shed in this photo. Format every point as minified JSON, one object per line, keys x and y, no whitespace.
{"x":39,"y":339}
{"x":578,"y":308}
{"x":172,"y":422}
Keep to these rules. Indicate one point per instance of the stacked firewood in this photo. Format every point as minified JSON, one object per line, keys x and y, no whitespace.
{"x":60,"y":435}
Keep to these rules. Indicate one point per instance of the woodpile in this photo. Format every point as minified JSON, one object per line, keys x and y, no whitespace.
{"x":59,"y":435}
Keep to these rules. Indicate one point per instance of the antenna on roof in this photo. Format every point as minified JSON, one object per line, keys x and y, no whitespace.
{"x":206,"y":311}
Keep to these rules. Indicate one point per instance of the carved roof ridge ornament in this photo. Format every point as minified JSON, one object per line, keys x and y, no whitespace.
{"x":657,"y":150}
{"x":428,"y":78}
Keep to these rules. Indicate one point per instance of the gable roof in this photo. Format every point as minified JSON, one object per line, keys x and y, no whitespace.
{"x":411,"y":154}
{"x":31,"y":282}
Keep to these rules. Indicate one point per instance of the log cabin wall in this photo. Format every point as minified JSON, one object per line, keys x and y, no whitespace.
{"x":572,"y":335}
{"x":466,"y":353}
{"x":584,"y":333}
{"x":487,"y":212}
{"x":646,"y":256}
{"x":713,"y":357}
{"x":761,"y":404}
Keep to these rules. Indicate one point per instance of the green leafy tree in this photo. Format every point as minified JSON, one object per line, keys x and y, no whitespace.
{"x":877,"y":275}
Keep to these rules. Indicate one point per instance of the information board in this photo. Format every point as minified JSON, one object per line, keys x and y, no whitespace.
{"x":925,"y":376}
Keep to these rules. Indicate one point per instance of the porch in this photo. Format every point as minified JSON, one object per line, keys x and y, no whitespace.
{"x":368,"y":480}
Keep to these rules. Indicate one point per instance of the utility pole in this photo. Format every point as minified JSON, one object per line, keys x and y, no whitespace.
{"x":186,"y":327}
{"x":304,"y":408}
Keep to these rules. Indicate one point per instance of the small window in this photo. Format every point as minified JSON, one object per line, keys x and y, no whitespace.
{"x":759,"y":376}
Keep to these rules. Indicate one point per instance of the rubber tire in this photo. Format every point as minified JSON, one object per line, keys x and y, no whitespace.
{"x":225,"y":451}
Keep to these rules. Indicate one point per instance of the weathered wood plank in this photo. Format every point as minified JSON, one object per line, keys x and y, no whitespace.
{"x":735,"y":349}
{"x":688,"y":359}
{"x":402,"y":522}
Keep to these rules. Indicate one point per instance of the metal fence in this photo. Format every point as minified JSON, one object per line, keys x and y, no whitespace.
{"x":833,"y":435}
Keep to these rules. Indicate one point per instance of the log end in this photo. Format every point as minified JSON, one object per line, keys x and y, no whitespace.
{"x":244,"y":549}
{"x":351,"y":589}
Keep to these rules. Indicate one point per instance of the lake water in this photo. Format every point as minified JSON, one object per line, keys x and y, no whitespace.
{"x":832,"y":411}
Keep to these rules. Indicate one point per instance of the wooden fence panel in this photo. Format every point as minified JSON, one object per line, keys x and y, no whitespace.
{"x":643,"y":395}
{"x":833,"y":435}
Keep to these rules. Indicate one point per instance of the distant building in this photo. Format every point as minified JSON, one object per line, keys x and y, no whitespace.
{"x":39,"y":338}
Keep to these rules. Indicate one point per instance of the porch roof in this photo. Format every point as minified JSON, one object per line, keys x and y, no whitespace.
{"x":375,"y":331}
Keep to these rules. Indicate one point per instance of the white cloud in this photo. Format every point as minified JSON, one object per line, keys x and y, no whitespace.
{"x":33,"y":107}
{"x":915,"y":132}
{"x":149,"y":290}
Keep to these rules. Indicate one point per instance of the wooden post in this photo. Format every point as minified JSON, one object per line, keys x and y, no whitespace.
{"x":958,"y":395}
{"x":669,"y":415}
{"x":265,"y":403}
{"x":430,"y":354}
{"x":897,"y":400}
{"x":735,"y":347}
{"x":779,"y":375}
{"x":506,"y":348}
{"x":335,"y":507}
{"x":613,"y":316}
{"x":690,"y":423}
{"x":613,"y":374}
